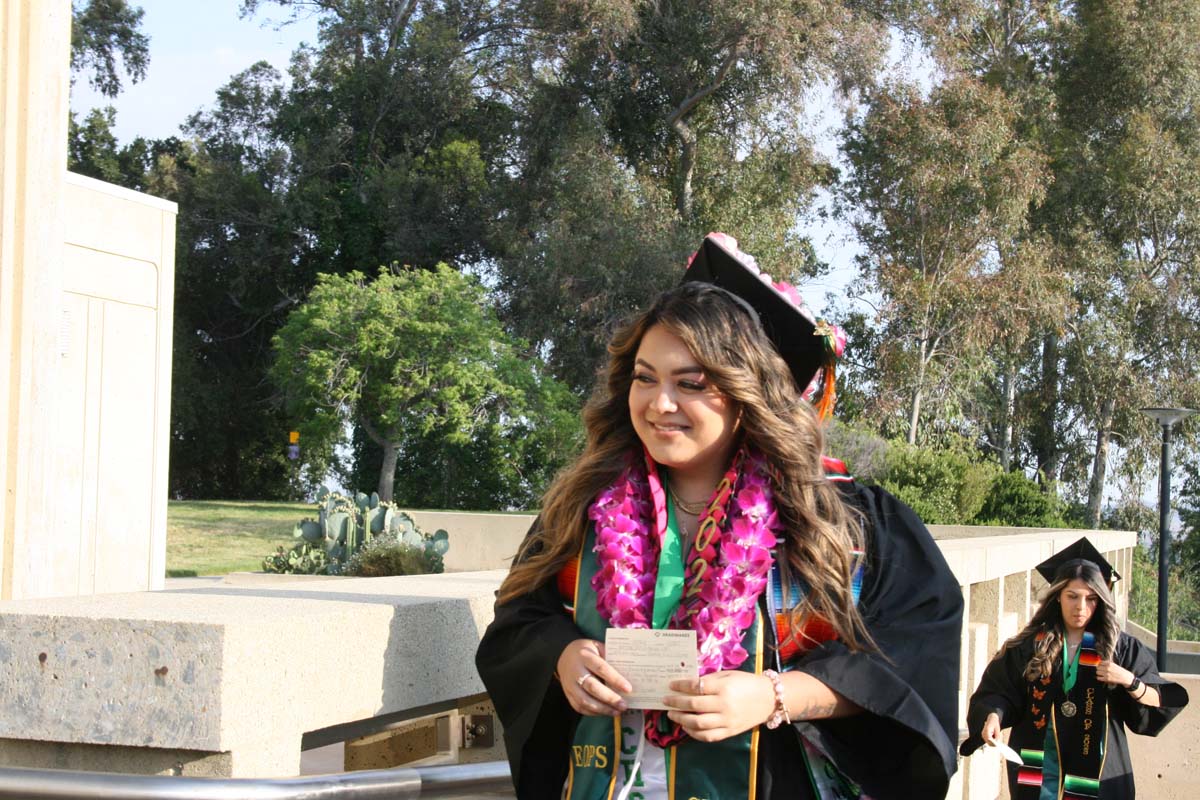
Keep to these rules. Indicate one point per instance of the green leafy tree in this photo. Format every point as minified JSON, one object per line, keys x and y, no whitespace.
{"x":380,"y":150}
{"x":236,"y":278}
{"x":418,"y":361}
{"x":103,"y":33}
{"x":393,"y":144}
{"x":643,"y":126}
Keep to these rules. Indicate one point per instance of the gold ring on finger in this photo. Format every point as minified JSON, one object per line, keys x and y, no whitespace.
{"x":583,"y":679}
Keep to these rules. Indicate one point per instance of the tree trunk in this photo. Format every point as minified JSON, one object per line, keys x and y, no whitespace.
{"x":687,"y":166}
{"x":387,"y":472}
{"x":914,"y":416}
{"x":1045,"y":442}
{"x":1010,"y":411}
{"x":687,"y":137}
{"x":1100,"y":463}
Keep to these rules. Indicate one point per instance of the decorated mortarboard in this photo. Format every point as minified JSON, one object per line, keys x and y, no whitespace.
{"x":1082,"y":550}
{"x":809,"y":346}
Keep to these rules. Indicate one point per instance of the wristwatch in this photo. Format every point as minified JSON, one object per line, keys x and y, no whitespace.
{"x":1134,"y":685}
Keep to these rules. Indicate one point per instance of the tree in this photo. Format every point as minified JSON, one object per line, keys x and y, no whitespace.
{"x":678,"y":118}
{"x":598,"y":245}
{"x":236,"y":278}
{"x":103,"y":32}
{"x":1127,"y":204}
{"x":420,"y":363}
{"x":940,"y":185}
{"x":393,"y":146}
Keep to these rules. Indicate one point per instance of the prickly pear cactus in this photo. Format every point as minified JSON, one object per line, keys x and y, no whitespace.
{"x":346,"y":527}
{"x":310,"y":530}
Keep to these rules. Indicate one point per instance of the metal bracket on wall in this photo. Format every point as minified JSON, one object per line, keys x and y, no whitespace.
{"x":478,"y":730}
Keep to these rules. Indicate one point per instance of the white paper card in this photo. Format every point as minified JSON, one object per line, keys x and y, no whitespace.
{"x":650,"y":660}
{"x":1007,"y":752}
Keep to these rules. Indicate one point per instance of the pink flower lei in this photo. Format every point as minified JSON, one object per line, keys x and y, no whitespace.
{"x":726,"y":570}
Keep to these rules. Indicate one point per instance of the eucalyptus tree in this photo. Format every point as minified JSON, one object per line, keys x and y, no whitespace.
{"x":941,"y":185}
{"x":1128,"y":199}
{"x":1010,"y":45}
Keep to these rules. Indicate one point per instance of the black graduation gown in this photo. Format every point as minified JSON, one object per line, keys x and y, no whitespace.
{"x":900,"y":746}
{"x":1003,"y":690}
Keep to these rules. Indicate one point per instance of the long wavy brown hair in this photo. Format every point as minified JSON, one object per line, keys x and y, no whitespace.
{"x":1047,"y":620}
{"x":728,"y":342}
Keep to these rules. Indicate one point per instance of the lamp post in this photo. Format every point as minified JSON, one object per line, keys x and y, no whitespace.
{"x":1166,"y":417}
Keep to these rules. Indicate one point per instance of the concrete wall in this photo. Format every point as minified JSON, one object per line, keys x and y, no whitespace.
{"x":86,"y":298}
{"x":227,"y":680}
{"x":1164,"y":767}
{"x":477,"y":541}
{"x":1182,"y":657}
{"x":114,"y":403}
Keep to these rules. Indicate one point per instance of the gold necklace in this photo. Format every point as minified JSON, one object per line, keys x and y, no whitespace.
{"x":694,"y":509}
{"x":685,"y":537}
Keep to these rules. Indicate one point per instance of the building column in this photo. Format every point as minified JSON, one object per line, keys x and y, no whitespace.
{"x":35,"y":45}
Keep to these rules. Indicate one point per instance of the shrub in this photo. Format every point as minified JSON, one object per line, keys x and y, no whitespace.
{"x":389,"y":555}
{"x":864,"y":452}
{"x":302,"y":559}
{"x":345,"y":527}
{"x":1016,"y":500}
{"x":944,"y":487}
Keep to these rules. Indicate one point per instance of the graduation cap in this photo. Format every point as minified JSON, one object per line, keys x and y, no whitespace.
{"x":1082,"y":550}
{"x":809,"y":346}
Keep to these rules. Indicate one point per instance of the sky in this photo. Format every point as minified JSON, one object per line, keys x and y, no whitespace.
{"x":194,"y":49}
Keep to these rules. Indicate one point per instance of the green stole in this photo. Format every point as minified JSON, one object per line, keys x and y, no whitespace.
{"x":704,"y":771}
{"x":1075,"y":744}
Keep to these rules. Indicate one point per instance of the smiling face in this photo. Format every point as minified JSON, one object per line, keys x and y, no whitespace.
{"x":686,"y":423}
{"x":1078,"y":604}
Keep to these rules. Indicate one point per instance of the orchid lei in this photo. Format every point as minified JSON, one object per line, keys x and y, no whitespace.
{"x":726,"y":570}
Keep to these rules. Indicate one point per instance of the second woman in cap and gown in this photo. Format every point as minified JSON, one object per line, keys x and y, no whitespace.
{"x":1070,"y":685}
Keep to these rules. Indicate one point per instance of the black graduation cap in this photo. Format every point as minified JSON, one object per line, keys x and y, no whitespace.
{"x":1082,"y":550}
{"x":790,"y":328}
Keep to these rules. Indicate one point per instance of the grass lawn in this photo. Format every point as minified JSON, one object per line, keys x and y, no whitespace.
{"x":213,"y":537}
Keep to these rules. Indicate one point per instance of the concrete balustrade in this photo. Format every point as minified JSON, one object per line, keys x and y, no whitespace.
{"x":227,"y":679}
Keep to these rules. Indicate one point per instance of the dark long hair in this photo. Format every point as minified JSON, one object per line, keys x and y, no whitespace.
{"x":1048,"y":621}
{"x":729,"y":344}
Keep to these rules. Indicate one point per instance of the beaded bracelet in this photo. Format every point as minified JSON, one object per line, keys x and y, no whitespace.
{"x":780,"y":714}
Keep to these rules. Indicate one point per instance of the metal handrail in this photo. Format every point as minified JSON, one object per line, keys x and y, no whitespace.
{"x":401,"y":783}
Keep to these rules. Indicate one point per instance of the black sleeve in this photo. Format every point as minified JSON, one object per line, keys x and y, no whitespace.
{"x":516,"y":660}
{"x":1001,"y":690}
{"x":902,"y":745}
{"x":1140,"y":660}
